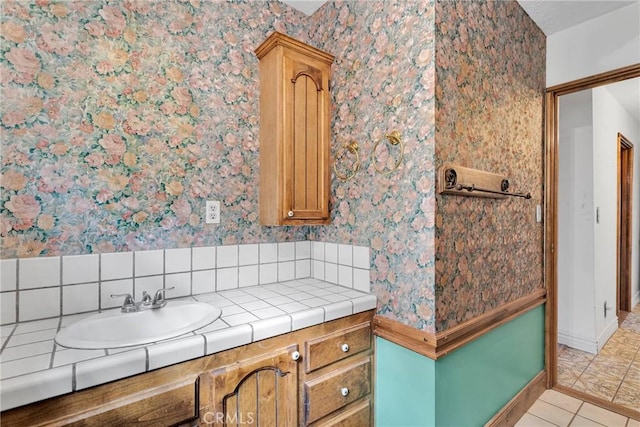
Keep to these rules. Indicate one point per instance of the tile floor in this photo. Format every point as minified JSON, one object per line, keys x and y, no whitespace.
{"x":556,"y":409}
{"x":613,"y":374}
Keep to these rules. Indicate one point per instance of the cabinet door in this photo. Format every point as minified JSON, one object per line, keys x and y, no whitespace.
{"x":260,"y":391}
{"x":307,"y":153}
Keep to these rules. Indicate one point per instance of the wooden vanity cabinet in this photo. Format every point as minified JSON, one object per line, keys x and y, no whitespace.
{"x":317,"y":376}
{"x":294,"y":132}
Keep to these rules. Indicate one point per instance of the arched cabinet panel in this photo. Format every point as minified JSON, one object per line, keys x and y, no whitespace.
{"x":294,"y":132}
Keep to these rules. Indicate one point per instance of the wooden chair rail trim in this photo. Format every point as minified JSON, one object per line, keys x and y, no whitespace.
{"x":521,"y":402}
{"x":442,"y":343}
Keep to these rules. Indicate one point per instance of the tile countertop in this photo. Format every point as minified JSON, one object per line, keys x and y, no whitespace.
{"x":33,"y":367}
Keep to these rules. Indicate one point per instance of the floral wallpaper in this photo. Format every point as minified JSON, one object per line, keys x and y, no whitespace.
{"x":384,"y":79}
{"x":121,"y":118}
{"x":490,"y":74}
{"x":464,"y":82}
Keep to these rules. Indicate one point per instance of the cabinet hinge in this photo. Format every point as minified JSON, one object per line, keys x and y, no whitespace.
{"x":329,"y":85}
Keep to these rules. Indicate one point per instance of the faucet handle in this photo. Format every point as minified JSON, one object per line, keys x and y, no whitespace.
{"x":128,"y":304}
{"x":146,"y":298}
{"x":159,"y":299}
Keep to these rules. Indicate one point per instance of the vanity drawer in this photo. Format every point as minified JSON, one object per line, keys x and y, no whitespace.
{"x":357,"y":416}
{"x":169,"y":405}
{"x":327,"y":393}
{"x":325,"y":350}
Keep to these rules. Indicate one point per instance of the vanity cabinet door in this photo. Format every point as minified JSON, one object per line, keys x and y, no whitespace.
{"x":261,"y":391}
{"x":294,"y":132}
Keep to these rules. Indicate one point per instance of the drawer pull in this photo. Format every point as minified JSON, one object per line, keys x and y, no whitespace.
{"x":344,"y":391}
{"x":345,"y":347}
{"x":290,"y":214}
{"x":295,"y":355}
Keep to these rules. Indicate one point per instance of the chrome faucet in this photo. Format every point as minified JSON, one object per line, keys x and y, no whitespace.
{"x":129,"y":305}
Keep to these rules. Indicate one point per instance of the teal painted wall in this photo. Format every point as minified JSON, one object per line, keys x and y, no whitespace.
{"x":405,"y":386}
{"x":464,"y":388}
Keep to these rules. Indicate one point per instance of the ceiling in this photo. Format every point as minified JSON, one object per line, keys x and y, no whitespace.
{"x":552,"y":16}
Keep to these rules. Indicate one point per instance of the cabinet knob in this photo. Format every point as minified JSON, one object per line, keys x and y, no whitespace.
{"x":344,"y":391}
{"x":290,"y":214}
{"x":345,"y":347}
{"x":295,"y":355}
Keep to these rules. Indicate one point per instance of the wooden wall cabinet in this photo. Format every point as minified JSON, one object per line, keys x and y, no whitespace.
{"x":294,"y":132}
{"x":318,"y":376}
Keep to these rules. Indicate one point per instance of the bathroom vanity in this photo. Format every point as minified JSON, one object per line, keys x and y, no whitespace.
{"x":292,"y":370}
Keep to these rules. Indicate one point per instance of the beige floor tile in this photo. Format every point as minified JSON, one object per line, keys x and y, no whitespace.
{"x":628,"y":394}
{"x":633,"y":423}
{"x":604,"y":389}
{"x":579,"y":421}
{"x":551,"y":413}
{"x":529,"y":420}
{"x":560,"y":400}
{"x":602,"y":416}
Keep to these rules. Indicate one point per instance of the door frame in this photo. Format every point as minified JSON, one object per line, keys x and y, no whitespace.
{"x":551,"y":224}
{"x":625,"y":224}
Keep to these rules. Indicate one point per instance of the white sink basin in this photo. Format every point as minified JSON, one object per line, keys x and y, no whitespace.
{"x":113,"y":329}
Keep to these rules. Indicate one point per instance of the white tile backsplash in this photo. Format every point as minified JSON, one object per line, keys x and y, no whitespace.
{"x":38,"y":272}
{"x":303,"y":268}
{"x":268,"y":253}
{"x":8,"y":274}
{"x":317,"y":269}
{"x":148,"y":263}
{"x":248,"y":275}
{"x":331,"y":252}
{"x":194,"y":271}
{"x":317,"y":251}
{"x":249,"y":254}
{"x":113,"y":287}
{"x":331,"y":272}
{"x":303,"y":249}
{"x":181,"y":282}
{"x":177,"y":260}
{"x":79,"y":298}
{"x":227,"y":278}
{"x":39,"y":304}
{"x":268,"y":273}
{"x":345,"y":255}
{"x":149,"y":284}
{"x":227,"y":256}
{"x":286,"y":271}
{"x":117,"y":265}
{"x":203,"y":281}
{"x":345,"y":276}
{"x":7,"y":307}
{"x":361,"y":257}
{"x":80,"y":269}
{"x":204,"y":258}
{"x":286,"y":251}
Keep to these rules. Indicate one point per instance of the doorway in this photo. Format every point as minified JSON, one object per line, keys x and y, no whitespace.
{"x":625,"y":226}
{"x":551,"y":224}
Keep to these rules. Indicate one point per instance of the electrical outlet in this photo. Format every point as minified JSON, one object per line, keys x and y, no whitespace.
{"x":212,"y":214}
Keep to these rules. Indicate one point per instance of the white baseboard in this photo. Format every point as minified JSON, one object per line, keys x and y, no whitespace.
{"x":609,"y":330}
{"x":579,"y":343}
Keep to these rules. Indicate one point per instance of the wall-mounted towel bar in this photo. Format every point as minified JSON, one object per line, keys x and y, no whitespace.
{"x":461,"y":181}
